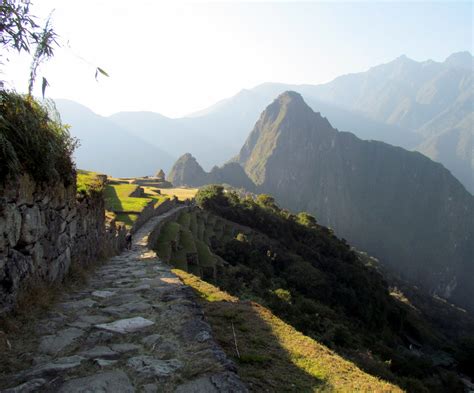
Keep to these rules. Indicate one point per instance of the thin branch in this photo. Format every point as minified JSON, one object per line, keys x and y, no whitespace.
{"x":235,"y":341}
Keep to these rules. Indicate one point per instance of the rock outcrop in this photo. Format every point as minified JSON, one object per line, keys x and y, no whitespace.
{"x":398,"y":205}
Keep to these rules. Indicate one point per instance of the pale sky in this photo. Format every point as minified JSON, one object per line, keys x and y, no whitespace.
{"x":176,"y":58}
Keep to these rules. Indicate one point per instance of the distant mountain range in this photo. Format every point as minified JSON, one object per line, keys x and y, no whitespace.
{"x":398,"y":205}
{"x":108,"y":148}
{"x":425,"y":106}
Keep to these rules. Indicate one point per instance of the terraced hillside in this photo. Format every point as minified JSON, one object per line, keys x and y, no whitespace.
{"x":184,"y":243}
{"x":128,"y":200}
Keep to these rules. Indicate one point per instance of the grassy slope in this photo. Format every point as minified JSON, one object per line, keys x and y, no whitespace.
{"x":181,"y":193}
{"x":273,"y":355}
{"x":118,"y":199}
{"x":88,"y":182}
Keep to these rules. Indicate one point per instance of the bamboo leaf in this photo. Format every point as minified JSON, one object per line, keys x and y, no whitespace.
{"x":102,"y":72}
{"x":44,"y":85}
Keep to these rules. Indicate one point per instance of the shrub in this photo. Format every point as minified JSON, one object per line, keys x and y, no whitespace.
{"x":211,"y":196}
{"x":32,"y":142}
{"x":283,"y":294}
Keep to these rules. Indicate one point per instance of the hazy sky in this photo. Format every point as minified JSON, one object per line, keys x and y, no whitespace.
{"x":176,"y":58}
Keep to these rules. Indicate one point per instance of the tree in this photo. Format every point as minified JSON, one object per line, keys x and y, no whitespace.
{"x":44,"y":51}
{"x":18,"y":29}
{"x":211,"y":196}
{"x":267,"y":201}
{"x":307,"y":220}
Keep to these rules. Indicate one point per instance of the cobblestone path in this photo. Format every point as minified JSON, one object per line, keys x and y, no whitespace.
{"x":133,"y":328}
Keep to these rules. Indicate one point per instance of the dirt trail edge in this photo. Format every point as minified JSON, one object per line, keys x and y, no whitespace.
{"x":135,"y":327}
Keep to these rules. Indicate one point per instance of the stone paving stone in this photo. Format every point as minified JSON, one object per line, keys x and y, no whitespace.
{"x":108,"y":382}
{"x":31,"y":386}
{"x":103,"y":294}
{"x":153,"y":367}
{"x":100,"y":351}
{"x":56,"y":343}
{"x":56,"y":366}
{"x":128,"y":325}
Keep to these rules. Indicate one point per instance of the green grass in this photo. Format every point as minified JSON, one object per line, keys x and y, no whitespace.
{"x":178,"y":259}
{"x":186,"y":241}
{"x":88,"y":182}
{"x":127,"y":218}
{"x":187,"y":231}
{"x":184,"y":220}
{"x":181,"y":193}
{"x":163,"y":250}
{"x":118,"y":199}
{"x":273,"y":355}
{"x":33,"y":141}
{"x":206,"y":258}
{"x":169,"y":232}
{"x":200,"y":230}
{"x":193,"y":224}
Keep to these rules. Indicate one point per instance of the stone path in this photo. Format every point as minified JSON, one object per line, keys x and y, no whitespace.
{"x":134,"y":328}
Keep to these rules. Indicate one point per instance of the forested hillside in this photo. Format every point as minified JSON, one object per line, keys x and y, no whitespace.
{"x":315,"y":282}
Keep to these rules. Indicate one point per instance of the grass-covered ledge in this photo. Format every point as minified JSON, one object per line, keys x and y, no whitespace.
{"x":34,"y":141}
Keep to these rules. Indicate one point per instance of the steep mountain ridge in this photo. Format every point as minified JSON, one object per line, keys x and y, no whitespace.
{"x":398,"y":205}
{"x":187,"y":172}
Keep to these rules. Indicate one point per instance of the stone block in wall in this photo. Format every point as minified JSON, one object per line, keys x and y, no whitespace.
{"x":62,"y":242}
{"x":37,"y":255}
{"x":15,"y":270}
{"x":73,"y":228}
{"x":10,"y":224}
{"x":33,"y":225}
{"x":58,"y":268}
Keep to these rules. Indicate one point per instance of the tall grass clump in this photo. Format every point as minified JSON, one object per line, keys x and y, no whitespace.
{"x":33,"y":141}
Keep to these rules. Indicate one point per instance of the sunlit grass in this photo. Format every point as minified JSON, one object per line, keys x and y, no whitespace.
{"x":181,"y":193}
{"x":88,"y":182}
{"x":118,"y":199}
{"x":127,"y":218}
{"x":273,"y":355}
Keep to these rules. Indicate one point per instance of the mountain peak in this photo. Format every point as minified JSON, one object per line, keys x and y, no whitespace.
{"x":290,"y":96}
{"x":286,"y":102}
{"x":460,"y":60}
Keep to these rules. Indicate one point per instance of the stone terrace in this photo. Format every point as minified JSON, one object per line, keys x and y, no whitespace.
{"x":134,"y":328}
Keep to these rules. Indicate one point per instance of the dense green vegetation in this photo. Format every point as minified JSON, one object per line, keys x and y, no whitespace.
{"x":89,"y":183}
{"x":316,"y":283}
{"x":33,"y":142}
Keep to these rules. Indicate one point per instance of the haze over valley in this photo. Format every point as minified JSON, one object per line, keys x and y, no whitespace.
{"x":424,"y":106}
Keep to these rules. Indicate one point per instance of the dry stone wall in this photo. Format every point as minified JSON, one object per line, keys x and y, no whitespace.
{"x":45,"y":229}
